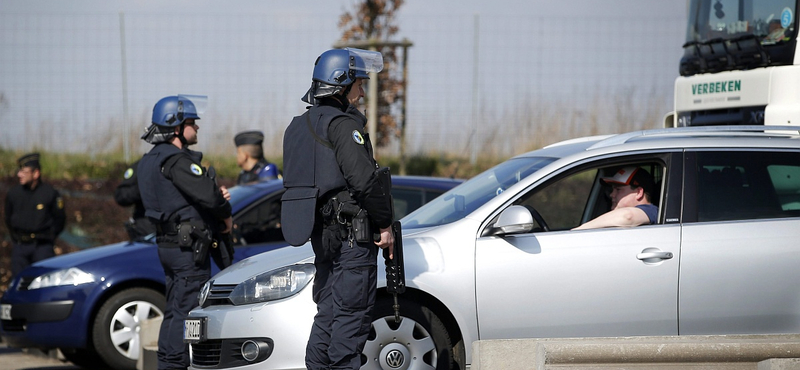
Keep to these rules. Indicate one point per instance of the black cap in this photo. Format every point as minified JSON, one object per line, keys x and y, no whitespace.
{"x":29,"y":160}
{"x":249,"y":137}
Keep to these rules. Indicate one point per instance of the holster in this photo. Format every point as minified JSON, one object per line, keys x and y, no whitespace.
{"x":222,"y":255}
{"x":362,"y":230}
{"x":196,"y":235}
{"x":343,"y":210}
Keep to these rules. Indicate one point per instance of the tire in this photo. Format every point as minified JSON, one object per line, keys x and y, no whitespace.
{"x":420,"y":338}
{"x":84,"y":358}
{"x":115,"y":332}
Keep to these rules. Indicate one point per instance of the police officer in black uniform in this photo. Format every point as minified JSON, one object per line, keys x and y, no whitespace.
{"x":332,"y":187}
{"x":138,"y":226}
{"x":34,"y":215}
{"x":250,"y":158}
{"x":185,"y":204}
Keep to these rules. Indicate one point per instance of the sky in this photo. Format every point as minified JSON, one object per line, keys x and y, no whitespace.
{"x":60,"y":62}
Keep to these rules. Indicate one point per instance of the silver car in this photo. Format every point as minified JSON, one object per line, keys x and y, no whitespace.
{"x":496,"y":257}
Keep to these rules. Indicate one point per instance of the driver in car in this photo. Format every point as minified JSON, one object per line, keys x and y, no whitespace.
{"x":632,"y":190}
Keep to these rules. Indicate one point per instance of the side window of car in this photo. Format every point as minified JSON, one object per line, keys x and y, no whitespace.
{"x":747,"y":185}
{"x":580,"y":197}
{"x":562,"y":203}
{"x":406,"y":200}
{"x":259,"y":224}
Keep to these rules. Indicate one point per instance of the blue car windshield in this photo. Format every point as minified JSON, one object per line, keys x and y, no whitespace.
{"x":467,"y":197}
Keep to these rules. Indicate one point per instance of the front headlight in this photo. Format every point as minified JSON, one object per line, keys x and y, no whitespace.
{"x":276,"y":284}
{"x":70,"y":276}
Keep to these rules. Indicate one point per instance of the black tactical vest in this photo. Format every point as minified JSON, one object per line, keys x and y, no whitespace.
{"x":310,"y":171}
{"x":162,"y":200}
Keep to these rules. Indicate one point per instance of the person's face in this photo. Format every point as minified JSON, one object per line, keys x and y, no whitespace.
{"x":190,"y":131}
{"x":624,"y":196}
{"x":241,"y":157}
{"x":27,"y":175}
{"x":356,"y":92}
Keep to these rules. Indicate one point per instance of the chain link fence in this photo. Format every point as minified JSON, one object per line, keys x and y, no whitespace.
{"x":498,"y":85}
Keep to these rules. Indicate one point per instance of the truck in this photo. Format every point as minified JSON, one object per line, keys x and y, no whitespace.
{"x":740,"y":65}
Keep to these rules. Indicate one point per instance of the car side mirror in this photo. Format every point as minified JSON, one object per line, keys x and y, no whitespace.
{"x":514,"y":220}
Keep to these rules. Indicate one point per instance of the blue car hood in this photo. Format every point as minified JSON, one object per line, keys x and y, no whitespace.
{"x":116,"y":251}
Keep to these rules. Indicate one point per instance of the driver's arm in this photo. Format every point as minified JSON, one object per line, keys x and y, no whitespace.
{"x":620,"y":217}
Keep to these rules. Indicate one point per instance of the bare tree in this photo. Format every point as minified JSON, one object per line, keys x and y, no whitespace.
{"x":375,"y":20}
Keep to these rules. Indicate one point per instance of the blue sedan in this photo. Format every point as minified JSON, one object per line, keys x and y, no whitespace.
{"x":91,"y":303}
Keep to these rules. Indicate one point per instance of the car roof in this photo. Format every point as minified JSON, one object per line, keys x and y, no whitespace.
{"x":676,"y":138}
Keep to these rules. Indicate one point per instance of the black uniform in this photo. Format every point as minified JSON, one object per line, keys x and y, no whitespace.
{"x":334,"y":160}
{"x":34,"y":218}
{"x":178,"y":195}
{"x":126,"y":195}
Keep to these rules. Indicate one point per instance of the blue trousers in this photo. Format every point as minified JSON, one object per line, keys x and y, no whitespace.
{"x":184,"y":279}
{"x":344,"y":291}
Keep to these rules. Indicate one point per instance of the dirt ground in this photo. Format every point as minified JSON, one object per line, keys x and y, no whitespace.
{"x":31,"y":359}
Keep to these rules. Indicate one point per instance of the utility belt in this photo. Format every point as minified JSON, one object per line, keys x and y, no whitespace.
{"x":26,"y":237}
{"x":193,"y":233}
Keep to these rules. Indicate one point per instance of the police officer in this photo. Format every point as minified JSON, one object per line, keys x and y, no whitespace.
{"x":184,"y":203}
{"x":34,"y":215}
{"x":250,"y":158}
{"x":127,"y":194}
{"x":331,"y":179}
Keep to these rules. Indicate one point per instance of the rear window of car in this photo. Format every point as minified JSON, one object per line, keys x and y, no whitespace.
{"x":747,"y":185}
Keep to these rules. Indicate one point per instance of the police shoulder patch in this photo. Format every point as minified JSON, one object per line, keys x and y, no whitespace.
{"x":128,"y":173}
{"x":197,"y":170}
{"x":358,"y":138}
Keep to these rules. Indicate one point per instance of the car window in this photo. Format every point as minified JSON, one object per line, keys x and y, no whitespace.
{"x":576,"y":198}
{"x":747,"y":185}
{"x":561,"y":204}
{"x":260,"y":223}
{"x":406,"y":200}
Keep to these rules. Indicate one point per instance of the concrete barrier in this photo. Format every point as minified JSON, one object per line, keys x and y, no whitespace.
{"x":148,"y":340}
{"x":754,"y":352}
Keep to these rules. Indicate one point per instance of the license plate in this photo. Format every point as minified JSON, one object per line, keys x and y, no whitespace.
{"x":5,"y":312}
{"x":194,"y":330}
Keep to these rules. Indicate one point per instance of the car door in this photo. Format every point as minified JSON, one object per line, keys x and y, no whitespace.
{"x":739,"y":266}
{"x":570,"y":283}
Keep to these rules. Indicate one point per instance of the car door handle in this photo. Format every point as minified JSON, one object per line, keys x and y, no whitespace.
{"x":650,"y":255}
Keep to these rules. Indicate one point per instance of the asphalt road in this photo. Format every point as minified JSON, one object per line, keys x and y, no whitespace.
{"x":17,"y":359}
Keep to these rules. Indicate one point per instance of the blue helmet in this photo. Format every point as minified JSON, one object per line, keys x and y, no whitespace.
{"x":339,"y":67}
{"x":172,"y":111}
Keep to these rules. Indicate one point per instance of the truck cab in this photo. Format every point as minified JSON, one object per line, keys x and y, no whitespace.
{"x":740,"y":65}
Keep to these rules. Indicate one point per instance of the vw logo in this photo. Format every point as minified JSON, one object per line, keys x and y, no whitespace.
{"x":395,"y":359}
{"x":204,"y":292}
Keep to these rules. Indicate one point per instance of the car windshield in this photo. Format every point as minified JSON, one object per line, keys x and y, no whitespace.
{"x":770,"y":21}
{"x":467,"y":197}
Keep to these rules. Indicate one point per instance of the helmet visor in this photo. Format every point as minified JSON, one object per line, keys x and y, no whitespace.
{"x":196,"y":104}
{"x":373,"y":60}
